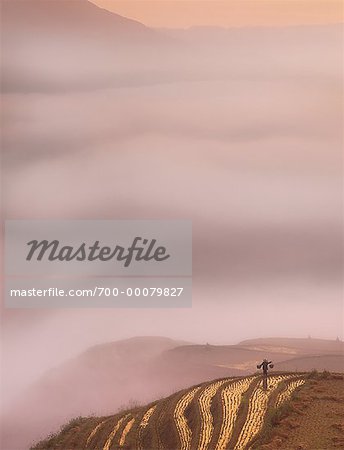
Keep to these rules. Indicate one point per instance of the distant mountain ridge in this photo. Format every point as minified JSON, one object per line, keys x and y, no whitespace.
{"x":70,"y":44}
{"x":79,"y":17}
{"x":300,"y":345}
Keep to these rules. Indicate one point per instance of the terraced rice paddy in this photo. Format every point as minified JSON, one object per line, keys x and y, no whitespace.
{"x":181,"y":422}
{"x":257,"y":408}
{"x":285,"y":394}
{"x":223,"y":414}
{"x":231,"y":397}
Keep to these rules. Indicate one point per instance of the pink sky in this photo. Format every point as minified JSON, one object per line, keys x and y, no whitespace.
{"x":227,"y":13}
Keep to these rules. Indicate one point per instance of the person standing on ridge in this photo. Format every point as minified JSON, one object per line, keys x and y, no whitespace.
{"x":265,"y":365}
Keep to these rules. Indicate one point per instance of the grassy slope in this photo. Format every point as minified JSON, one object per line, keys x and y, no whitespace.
{"x":313,"y":418}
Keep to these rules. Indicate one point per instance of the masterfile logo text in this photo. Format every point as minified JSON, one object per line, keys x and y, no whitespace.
{"x":120,"y":263}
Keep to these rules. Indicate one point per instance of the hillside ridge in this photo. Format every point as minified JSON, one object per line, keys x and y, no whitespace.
{"x":225,"y":413}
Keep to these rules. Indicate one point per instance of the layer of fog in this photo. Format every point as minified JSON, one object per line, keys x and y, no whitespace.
{"x":259,"y":158}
